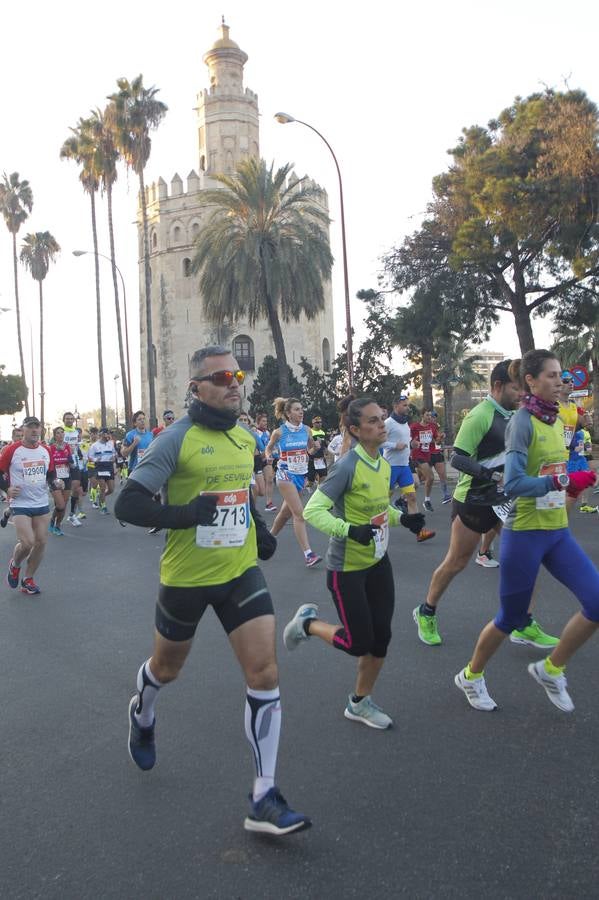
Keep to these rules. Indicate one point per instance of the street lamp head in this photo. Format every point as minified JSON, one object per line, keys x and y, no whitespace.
{"x":284,"y":118}
{"x":79,"y":252}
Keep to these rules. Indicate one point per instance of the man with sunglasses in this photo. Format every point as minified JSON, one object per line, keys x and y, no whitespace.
{"x":168,"y":417}
{"x":206,"y":461}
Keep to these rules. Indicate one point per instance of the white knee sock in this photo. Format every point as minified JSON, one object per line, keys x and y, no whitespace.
{"x":262,"y":728}
{"x":147,"y":688}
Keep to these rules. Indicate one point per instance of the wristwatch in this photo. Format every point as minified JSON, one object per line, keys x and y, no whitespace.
{"x":496,"y":477}
{"x":563,"y":480}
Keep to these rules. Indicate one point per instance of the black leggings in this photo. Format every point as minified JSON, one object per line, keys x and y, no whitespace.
{"x":364,"y":600}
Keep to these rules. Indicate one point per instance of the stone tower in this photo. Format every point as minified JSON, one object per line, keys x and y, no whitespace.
{"x":228,"y":132}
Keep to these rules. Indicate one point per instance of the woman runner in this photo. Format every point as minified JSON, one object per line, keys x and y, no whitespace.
{"x":536,"y":533}
{"x":62,"y":461}
{"x":359,"y":573}
{"x":295,"y":443}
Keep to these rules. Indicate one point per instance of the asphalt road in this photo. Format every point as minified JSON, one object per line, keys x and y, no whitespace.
{"x":450,"y":803}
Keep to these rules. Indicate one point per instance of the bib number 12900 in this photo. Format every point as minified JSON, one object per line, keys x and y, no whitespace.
{"x":232,"y":522}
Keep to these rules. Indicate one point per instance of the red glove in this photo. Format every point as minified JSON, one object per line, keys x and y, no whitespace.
{"x":579,"y":481}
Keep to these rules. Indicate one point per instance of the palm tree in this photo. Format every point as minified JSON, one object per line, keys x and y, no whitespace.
{"x":81,"y":148}
{"x":16,"y":202}
{"x":133,"y":113}
{"x":37,"y":252}
{"x":107,"y":157}
{"x":454,"y":367}
{"x":265,"y":251}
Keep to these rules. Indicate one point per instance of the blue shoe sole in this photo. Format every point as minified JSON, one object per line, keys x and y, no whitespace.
{"x":144,"y":768}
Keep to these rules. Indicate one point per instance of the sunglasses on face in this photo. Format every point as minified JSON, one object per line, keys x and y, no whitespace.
{"x":224,"y":378}
{"x":169,"y":418}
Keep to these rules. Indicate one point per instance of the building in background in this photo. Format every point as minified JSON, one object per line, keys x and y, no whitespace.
{"x":484,"y":366}
{"x":228,"y":133}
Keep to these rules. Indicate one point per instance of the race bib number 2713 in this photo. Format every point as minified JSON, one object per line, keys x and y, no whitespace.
{"x":232,"y":521}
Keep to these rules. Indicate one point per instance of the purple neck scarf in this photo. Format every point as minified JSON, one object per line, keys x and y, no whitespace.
{"x":544,"y":411}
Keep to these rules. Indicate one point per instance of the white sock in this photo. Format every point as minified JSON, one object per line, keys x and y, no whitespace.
{"x":427,"y":498}
{"x":147,"y":688}
{"x":307,"y":553}
{"x":262,"y":728}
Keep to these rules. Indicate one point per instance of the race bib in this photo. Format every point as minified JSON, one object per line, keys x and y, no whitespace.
{"x":140,"y":454}
{"x":104,"y":473}
{"x":232,"y":523}
{"x":381,"y":537}
{"x":426,"y":439}
{"x":503,"y":510}
{"x":297,"y":461}
{"x":34,"y":471}
{"x":62,"y":471}
{"x":568,"y":435}
{"x":554,"y":499}
{"x":320,"y":464}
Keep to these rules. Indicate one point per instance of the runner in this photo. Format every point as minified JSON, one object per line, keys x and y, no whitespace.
{"x":295,"y":442}
{"x":62,"y":463}
{"x":317,"y":464}
{"x":136,"y":441}
{"x":17,"y":435}
{"x":103,"y":456}
{"x":438,"y":458}
{"x":209,"y":559}
{"x":71,"y":436}
{"x":572,"y":418}
{"x":423,"y":436}
{"x":261,"y":465}
{"x":479,"y":454}
{"x":396,"y":450}
{"x":536,"y":533}
{"x":168,"y":417}
{"x":26,"y":470}
{"x":359,"y":573}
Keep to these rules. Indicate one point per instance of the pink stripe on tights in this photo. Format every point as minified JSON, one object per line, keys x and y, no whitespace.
{"x":346,"y":643}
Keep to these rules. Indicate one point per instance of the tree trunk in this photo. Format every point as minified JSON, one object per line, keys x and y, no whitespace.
{"x":277,"y":333}
{"x":18,"y":311}
{"x":427,"y":380}
{"x":124,"y":379}
{"x":523,"y":325}
{"x":449,"y":413}
{"x":148,"y":285}
{"x":42,"y":389}
{"x":98,"y":313}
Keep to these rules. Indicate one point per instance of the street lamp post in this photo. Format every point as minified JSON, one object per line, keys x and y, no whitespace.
{"x":103,"y":255}
{"x":284,"y":119}
{"x":116,"y":401}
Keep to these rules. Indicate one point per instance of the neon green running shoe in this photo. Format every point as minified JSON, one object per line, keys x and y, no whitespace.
{"x":427,"y":628}
{"x":534,"y":636}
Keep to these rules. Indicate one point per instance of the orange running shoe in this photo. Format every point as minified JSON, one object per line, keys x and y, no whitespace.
{"x":425,"y":535}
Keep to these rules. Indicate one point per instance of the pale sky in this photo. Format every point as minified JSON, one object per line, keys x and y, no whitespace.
{"x":390,"y":85}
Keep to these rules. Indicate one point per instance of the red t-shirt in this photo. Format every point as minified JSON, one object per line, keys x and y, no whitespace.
{"x":426,"y":434}
{"x":62,"y":460}
{"x":156,"y":431}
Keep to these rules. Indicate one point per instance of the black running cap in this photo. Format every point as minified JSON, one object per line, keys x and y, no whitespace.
{"x":31,"y":420}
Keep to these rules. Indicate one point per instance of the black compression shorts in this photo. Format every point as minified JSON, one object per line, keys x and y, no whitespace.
{"x":258,"y":464}
{"x":437,"y":457}
{"x":477,"y":518}
{"x":179,"y":609}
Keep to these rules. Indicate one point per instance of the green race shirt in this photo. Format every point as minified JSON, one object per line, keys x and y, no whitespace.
{"x":190,"y":459}
{"x":482,"y":436}
{"x":546,"y":455}
{"x":357,"y":490}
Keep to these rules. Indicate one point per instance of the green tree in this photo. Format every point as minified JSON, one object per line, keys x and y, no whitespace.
{"x":102,"y":134}
{"x":81,"y":148}
{"x":453,"y":368}
{"x":267,"y":386}
{"x":576,"y":338}
{"x":38,"y":250}
{"x":318,"y":393}
{"x":13,"y":393}
{"x":516,"y":213}
{"x":133,"y":113}
{"x":264,"y":252}
{"x":16,"y":202}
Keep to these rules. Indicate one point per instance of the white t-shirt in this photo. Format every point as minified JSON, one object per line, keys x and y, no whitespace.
{"x":27,"y":468}
{"x":397,"y":433}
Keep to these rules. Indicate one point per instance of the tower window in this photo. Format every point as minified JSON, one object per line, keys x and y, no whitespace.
{"x":186,"y":267}
{"x":243,"y":351}
{"x":326,"y":355}
{"x":176,"y":234}
{"x":154,"y":240}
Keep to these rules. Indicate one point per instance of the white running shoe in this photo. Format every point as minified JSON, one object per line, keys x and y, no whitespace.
{"x":486,"y":560}
{"x":367,"y":712}
{"x":294,"y":632}
{"x":476,"y":692}
{"x":74,"y":521}
{"x":555,"y":686}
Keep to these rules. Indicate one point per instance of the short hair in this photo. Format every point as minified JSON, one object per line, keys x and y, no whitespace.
{"x":67,"y":414}
{"x":533,"y":363}
{"x":501,"y":372}
{"x":196,"y":361}
{"x":354,"y":410}
{"x":139,"y":412}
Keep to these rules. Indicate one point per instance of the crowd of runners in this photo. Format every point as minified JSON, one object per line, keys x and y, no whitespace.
{"x":522,"y":456}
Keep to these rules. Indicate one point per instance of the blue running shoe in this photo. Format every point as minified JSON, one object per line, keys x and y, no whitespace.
{"x":142,"y":747}
{"x":28,"y":586}
{"x":271,"y":815}
{"x":12,"y":576}
{"x":294,"y":630}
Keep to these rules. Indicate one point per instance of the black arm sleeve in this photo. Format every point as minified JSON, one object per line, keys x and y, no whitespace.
{"x":265,"y":541}
{"x":136,"y":505}
{"x":470,"y":466}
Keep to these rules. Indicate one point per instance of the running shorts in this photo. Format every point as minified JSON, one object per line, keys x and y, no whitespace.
{"x":284,"y":474}
{"x":258,"y":465}
{"x":401,"y":476}
{"x":179,"y":609}
{"x":104,"y":468}
{"x":477,"y":518}
{"x":75,"y":474}
{"x":32,"y":512}
{"x":437,"y":458}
